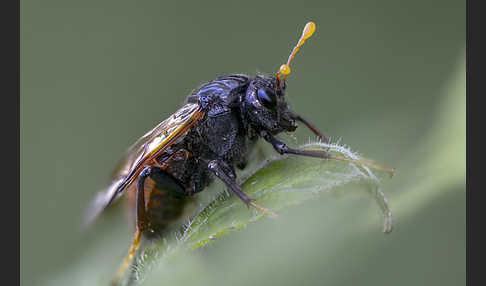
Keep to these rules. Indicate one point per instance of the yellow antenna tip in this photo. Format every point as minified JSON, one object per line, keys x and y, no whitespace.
{"x":309,"y":29}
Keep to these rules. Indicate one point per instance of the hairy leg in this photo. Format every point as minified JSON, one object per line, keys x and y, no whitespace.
{"x":228,"y":177}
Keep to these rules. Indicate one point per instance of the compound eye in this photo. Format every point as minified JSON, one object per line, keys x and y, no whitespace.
{"x":267,"y":98}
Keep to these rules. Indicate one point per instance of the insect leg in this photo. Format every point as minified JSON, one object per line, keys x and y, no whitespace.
{"x":141,"y":221}
{"x":229,"y":179}
{"x":282,"y":148}
{"x":311,"y":126}
{"x":164,"y":181}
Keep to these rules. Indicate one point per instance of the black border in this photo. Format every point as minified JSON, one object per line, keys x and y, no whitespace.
{"x":470,"y":154}
{"x":10,"y":25}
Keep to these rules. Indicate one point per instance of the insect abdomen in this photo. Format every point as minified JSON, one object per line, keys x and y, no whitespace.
{"x":163,"y":208}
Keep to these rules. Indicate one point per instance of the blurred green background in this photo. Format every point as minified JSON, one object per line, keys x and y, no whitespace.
{"x":387,"y":77}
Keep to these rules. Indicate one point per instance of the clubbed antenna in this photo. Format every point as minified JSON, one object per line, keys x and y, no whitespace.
{"x":284,"y":70}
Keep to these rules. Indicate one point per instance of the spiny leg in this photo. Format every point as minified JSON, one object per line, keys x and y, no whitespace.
{"x":131,"y":253}
{"x":164,"y":181}
{"x":311,"y":126}
{"x":141,"y":224}
{"x":282,"y":148}
{"x":216,"y":167}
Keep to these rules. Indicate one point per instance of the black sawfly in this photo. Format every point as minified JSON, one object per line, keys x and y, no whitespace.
{"x":210,"y":135}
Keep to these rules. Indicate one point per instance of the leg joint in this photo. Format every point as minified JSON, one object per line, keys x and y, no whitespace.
{"x":145,"y":172}
{"x":280,"y":147}
{"x":213,"y":165}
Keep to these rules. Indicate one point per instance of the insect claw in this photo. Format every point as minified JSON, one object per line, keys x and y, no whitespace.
{"x":365,"y":162}
{"x":263,"y":210}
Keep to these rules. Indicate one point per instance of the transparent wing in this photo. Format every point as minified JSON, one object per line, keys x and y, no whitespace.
{"x":145,"y":149}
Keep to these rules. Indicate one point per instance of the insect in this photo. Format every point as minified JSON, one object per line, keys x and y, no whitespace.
{"x":205,"y":139}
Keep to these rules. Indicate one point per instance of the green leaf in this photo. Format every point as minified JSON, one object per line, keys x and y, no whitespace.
{"x":279,"y":183}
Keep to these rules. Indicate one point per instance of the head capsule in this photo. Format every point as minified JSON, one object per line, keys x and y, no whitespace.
{"x":265,"y":107}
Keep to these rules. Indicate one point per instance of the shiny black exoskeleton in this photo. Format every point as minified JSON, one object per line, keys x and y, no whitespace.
{"x":238,"y":109}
